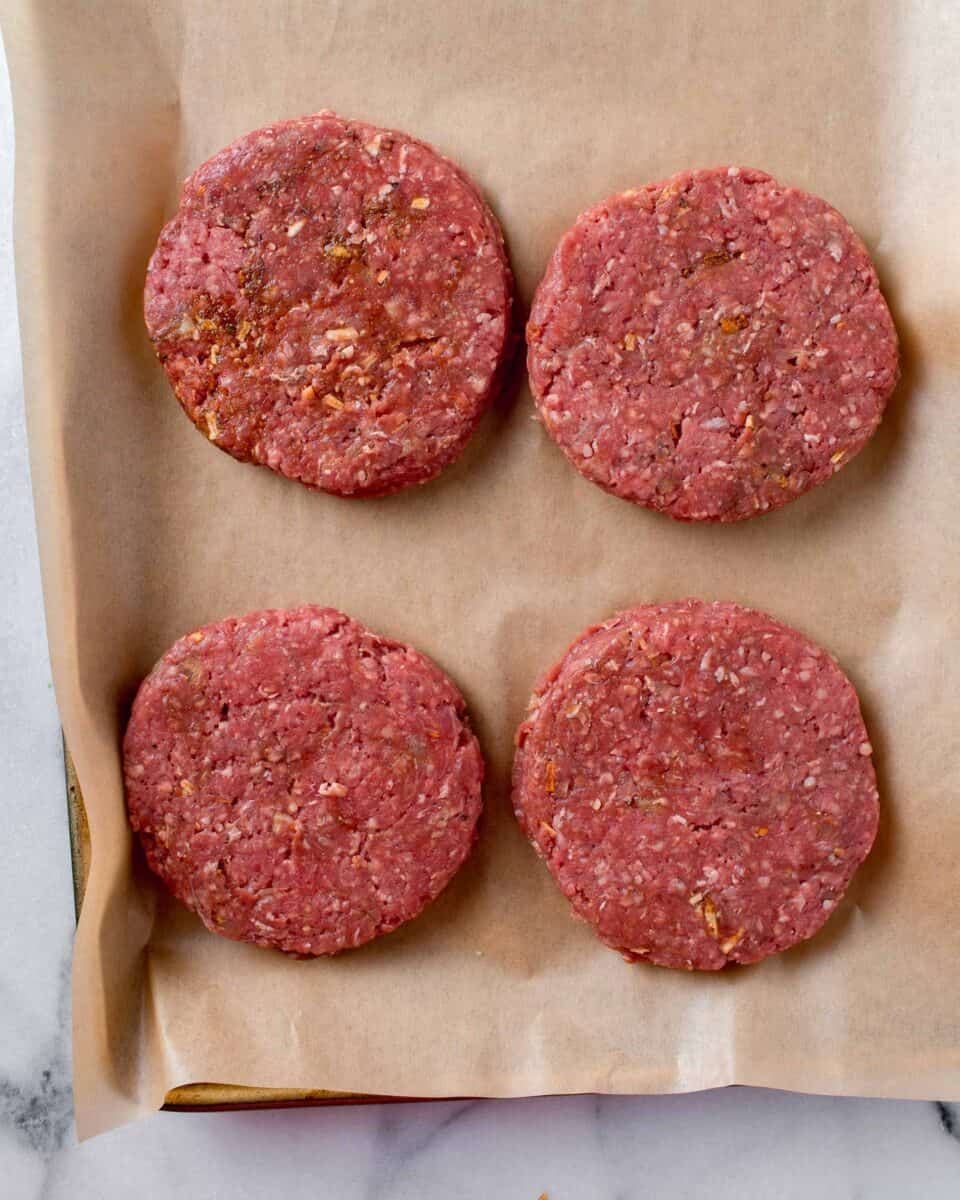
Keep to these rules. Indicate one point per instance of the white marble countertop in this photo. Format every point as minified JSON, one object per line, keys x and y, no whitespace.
{"x":734,"y":1143}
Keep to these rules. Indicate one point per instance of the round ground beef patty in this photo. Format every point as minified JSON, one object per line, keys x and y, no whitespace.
{"x":300,"y":782}
{"x":712,"y":346}
{"x":698,"y":779}
{"x":332,"y":301}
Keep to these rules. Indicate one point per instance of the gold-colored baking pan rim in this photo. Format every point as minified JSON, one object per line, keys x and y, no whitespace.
{"x":199,"y":1097}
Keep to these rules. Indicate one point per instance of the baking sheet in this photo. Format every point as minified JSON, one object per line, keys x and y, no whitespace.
{"x":147,"y":531}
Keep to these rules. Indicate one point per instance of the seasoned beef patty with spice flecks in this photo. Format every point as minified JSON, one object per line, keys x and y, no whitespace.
{"x":712,"y":346}
{"x":699,"y":781}
{"x":332,"y":301}
{"x":300,"y":782}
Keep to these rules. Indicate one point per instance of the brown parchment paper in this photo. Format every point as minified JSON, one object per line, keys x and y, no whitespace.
{"x":147,"y":531}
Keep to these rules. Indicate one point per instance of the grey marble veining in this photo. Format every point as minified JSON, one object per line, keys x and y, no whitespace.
{"x":949,"y":1115}
{"x":35,"y":1102}
{"x":738,"y":1143}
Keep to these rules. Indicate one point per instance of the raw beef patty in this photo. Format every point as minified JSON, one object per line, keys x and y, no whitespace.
{"x":300,"y":782}
{"x":698,"y":779}
{"x":712,"y":346}
{"x":332,"y":301}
